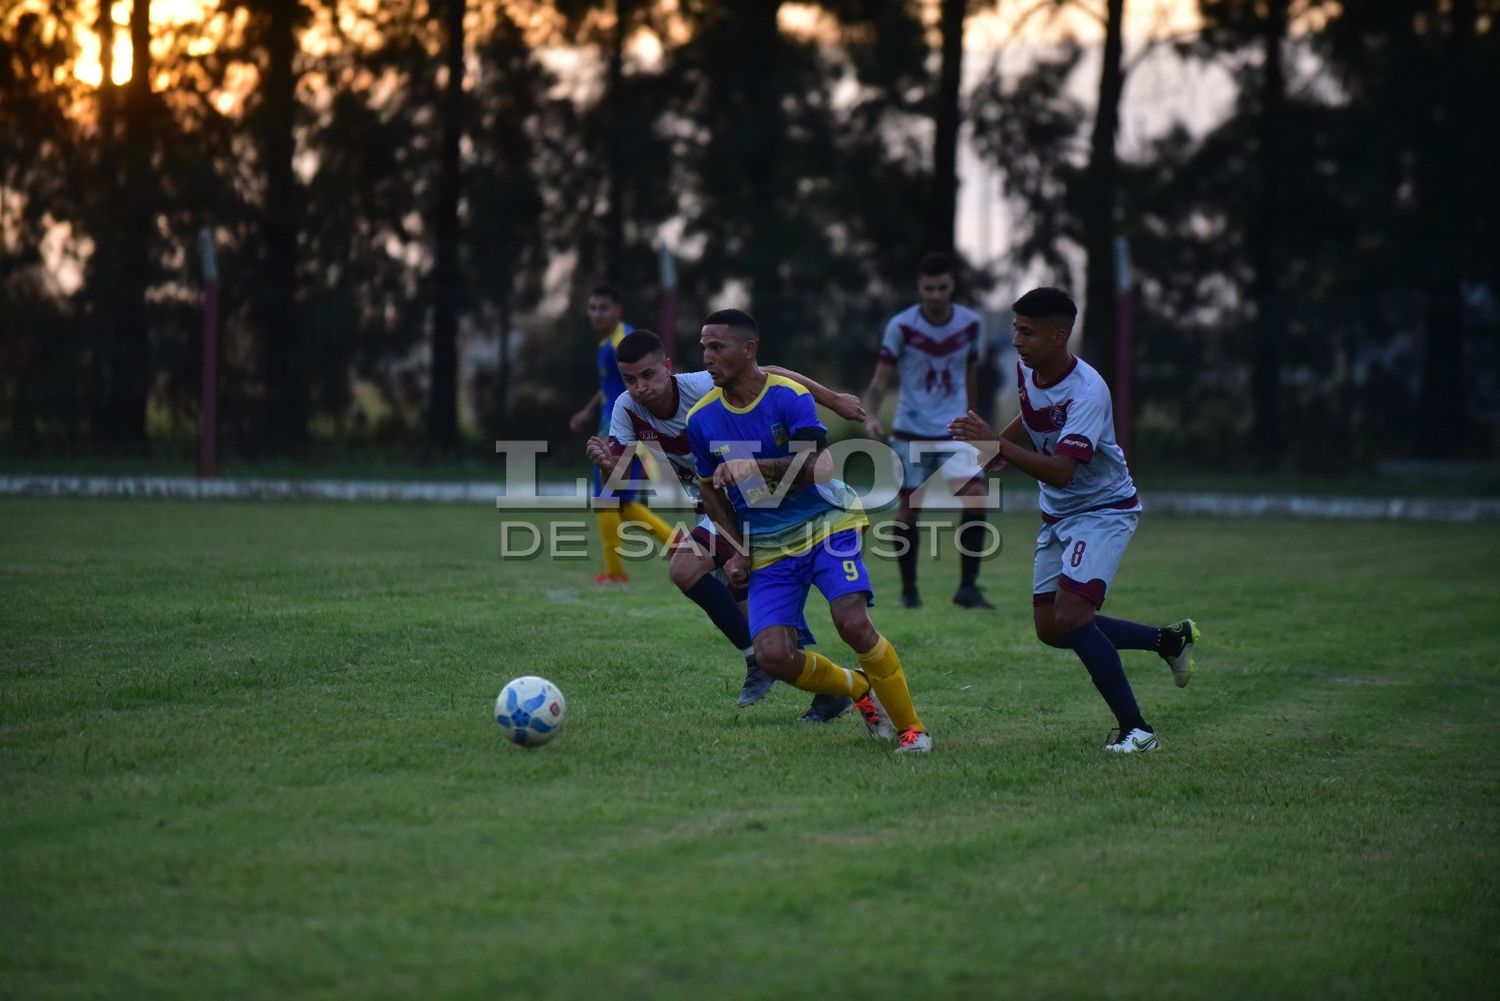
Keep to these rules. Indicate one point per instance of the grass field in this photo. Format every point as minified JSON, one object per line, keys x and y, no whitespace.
{"x":248,"y":750}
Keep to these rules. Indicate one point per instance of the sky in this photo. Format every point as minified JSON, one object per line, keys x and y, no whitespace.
{"x":1160,"y":92}
{"x":1001,"y":23}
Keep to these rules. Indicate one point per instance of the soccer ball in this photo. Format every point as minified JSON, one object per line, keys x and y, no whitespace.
{"x":530,"y":711}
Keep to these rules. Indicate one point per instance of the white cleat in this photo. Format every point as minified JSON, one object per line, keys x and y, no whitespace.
{"x":1181,"y":662}
{"x":914,"y":741}
{"x":876,"y":721}
{"x":1135,"y":741}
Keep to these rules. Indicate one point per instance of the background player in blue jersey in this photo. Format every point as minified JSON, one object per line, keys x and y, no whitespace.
{"x":767,"y":485}
{"x":932,"y":348}
{"x":1089,"y":509}
{"x":611,"y":507}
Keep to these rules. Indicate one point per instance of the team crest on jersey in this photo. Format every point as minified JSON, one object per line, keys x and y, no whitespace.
{"x":778,"y":434}
{"x":1058,"y":415}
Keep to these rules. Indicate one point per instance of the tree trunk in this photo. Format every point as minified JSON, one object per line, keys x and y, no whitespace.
{"x":285,"y":359}
{"x":443,"y":416}
{"x":1444,"y":372}
{"x":1265,"y":285}
{"x":614,"y":194}
{"x":1100,"y":182}
{"x":129,"y":369}
{"x":502,"y":370}
{"x":947,"y":118}
{"x":104,"y":273}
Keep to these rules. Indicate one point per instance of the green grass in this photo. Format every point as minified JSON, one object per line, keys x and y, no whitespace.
{"x":247,"y":750}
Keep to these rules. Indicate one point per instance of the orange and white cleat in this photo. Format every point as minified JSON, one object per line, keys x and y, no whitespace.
{"x":876,"y":720}
{"x":914,"y":741}
{"x":607,"y":579}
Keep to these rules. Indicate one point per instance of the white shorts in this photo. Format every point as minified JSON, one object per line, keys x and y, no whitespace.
{"x":1081,"y":553}
{"x":955,"y":461}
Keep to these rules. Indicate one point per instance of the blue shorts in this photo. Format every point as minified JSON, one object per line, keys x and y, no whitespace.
{"x":778,"y":592}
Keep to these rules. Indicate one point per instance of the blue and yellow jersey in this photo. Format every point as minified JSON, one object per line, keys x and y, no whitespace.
{"x":775,"y":523}
{"x":611,"y":384}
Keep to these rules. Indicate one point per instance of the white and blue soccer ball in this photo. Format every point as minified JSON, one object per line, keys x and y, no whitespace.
{"x":530,"y":711}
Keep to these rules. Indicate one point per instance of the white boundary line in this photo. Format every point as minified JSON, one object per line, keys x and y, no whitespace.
{"x":1218,"y":505}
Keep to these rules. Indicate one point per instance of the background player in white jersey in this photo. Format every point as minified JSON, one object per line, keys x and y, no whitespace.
{"x":1089,"y":509}
{"x":933,"y":348}
{"x":653,"y":412}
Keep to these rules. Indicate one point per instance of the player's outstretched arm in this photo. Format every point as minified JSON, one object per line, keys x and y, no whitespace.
{"x":716,"y":505}
{"x":846,"y":405}
{"x":875,"y":396}
{"x":1015,"y":431}
{"x":584,"y":417}
{"x":1053,"y":470}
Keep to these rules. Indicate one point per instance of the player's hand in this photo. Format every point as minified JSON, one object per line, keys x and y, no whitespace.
{"x":873,"y":429}
{"x":847,"y":406}
{"x":737,"y":569}
{"x":599,"y":453}
{"x":581,"y":420}
{"x":735,"y":471}
{"x":972,"y":428}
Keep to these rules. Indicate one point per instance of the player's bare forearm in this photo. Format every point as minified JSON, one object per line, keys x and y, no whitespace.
{"x":779,"y":468}
{"x":1054,"y":470}
{"x":971,"y":383}
{"x":716,"y":505}
{"x":846,"y":405}
{"x":581,"y":419}
{"x":1015,"y":431}
{"x":875,"y":396}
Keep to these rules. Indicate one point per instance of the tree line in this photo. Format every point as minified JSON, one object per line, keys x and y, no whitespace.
{"x":410,"y":198}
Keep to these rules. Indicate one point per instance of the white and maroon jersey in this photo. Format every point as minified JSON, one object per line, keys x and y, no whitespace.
{"x":633,"y":422}
{"x":1074,"y":417}
{"x":932,"y":363}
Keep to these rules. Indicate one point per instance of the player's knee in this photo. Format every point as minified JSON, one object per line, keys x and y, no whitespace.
{"x":686,"y":571}
{"x":855,"y":628}
{"x":1049,"y":634}
{"x":1066,"y":618}
{"x":778,"y":658}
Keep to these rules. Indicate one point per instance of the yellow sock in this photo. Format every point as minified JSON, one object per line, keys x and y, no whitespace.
{"x":821,"y":675}
{"x":883,"y":668}
{"x":609,"y":534}
{"x":636,"y":511}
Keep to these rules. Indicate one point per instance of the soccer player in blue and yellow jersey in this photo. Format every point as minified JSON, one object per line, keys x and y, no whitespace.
{"x":604,"y":316}
{"x":767,"y":485}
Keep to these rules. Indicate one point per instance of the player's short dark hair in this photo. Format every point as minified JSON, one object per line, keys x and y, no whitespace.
{"x":734,"y":319}
{"x":638,"y":344}
{"x":935,"y":264}
{"x":606,"y":291}
{"x":1044,"y":303}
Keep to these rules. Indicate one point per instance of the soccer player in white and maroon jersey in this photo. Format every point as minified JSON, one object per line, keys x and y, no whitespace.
{"x":653,"y":412}
{"x":1089,"y":509}
{"x":933,"y":348}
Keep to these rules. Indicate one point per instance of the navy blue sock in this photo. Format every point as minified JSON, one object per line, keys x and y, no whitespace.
{"x":713,"y":597}
{"x":1129,"y":635}
{"x":1103,"y":661}
{"x":908,"y":559}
